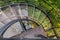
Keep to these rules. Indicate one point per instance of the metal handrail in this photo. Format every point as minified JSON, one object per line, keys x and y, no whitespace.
{"x":5,"y":27}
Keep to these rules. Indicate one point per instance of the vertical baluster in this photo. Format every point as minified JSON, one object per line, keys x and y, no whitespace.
{"x":21,"y":16}
{"x":24,"y":8}
{"x":15,"y":11}
{"x":12,"y":13}
{"x":33,"y":12}
{"x":39,"y":15}
{"x":4,"y":18}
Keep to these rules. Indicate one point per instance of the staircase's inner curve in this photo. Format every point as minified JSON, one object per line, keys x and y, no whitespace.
{"x":16,"y":11}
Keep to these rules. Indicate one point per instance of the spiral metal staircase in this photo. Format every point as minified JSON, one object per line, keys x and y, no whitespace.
{"x":23,"y":18}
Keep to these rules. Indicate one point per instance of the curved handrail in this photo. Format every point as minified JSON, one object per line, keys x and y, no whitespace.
{"x":31,"y":5}
{"x":5,"y":27}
